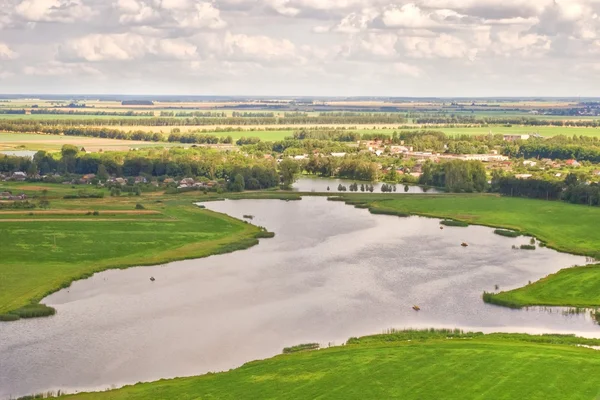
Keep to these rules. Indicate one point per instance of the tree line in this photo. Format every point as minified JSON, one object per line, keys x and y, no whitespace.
{"x":455,"y":176}
{"x":177,"y":163}
{"x":203,"y":121}
{"x":527,"y":121}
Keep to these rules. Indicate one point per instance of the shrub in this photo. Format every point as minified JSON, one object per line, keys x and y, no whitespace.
{"x":491,"y":298}
{"x":8,"y":317}
{"x":451,"y":222}
{"x":29,"y":311}
{"x":503,"y":232}
{"x":527,"y":247}
{"x":96,"y":213}
{"x":301,"y":347}
{"x":139,"y":206}
{"x":380,"y":211}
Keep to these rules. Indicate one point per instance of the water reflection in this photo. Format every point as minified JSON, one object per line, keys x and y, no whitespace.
{"x":320,"y":185}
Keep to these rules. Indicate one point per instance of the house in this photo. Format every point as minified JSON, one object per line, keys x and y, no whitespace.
{"x":400,"y":149}
{"x":87,"y":178}
{"x":523,"y":176}
{"x":187,"y":181}
{"x":529,"y":163}
{"x":140,"y":179}
{"x":169,"y":180}
{"x":10,"y":196}
{"x":120,"y":181}
{"x":338,"y":154}
{"x":301,"y":157}
{"x":558,"y":175}
{"x":572,"y":163}
{"x":512,"y":138}
{"x":484,"y":157}
{"x":19,"y":176}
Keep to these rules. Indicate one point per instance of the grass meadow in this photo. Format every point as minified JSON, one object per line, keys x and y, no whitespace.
{"x":416,"y":365}
{"x":562,"y":226}
{"x":45,"y":252}
{"x":572,"y":287}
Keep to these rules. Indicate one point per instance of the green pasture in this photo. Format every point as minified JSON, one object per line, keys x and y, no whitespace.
{"x":39,"y":257}
{"x":566,"y":227}
{"x":573,"y":287}
{"x":407,"y":366}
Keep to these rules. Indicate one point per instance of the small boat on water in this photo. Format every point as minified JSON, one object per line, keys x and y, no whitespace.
{"x":152,"y":279}
{"x":463,"y":244}
{"x":416,"y":308}
{"x":441,"y":227}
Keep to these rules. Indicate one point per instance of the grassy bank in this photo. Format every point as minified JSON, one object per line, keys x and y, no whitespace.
{"x":573,"y":287}
{"x":42,"y":255}
{"x":402,"y":365}
{"x":562,"y":226}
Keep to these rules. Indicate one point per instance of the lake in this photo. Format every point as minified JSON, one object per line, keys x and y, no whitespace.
{"x":320,"y":185}
{"x":331,"y":272}
{"x":19,"y":153}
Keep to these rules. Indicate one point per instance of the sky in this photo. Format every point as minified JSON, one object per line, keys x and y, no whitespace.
{"x":417,"y":48}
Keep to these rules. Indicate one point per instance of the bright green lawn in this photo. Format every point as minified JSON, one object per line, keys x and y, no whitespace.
{"x":573,"y":287}
{"x":477,"y":367}
{"x":565,"y":227}
{"x":32,"y":266}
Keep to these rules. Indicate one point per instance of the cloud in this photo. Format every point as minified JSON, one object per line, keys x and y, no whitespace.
{"x":318,"y":46}
{"x":126,"y":47}
{"x":6,"y":53}
{"x":181,"y":14}
{"x":60,"y":69}
{"x":258,"y":48}
{"x":443,"y":46}
{"x":407,"y":70}
{"x":66,"y":11}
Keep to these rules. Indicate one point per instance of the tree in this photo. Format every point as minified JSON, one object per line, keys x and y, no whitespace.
{"x":406,"y":188}
{"x":102,"y":174}
{"x":238,"y":184}
{"x":571,"y":179}
{"x":68,"y":150}
{"x":32,"y":170}
{"x":288,"y":170}
{"x":362,"y":187}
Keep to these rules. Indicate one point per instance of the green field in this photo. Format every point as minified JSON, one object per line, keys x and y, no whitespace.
{"x":43,"y":253}
{"x":27,"y":141}
{"x":405,"y":365}
{"x":573,"y":287}
{"x":75,"y":115}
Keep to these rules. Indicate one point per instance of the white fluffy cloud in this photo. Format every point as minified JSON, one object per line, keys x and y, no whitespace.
{"x":53,"y":10}
{"x":183,"y":14}
{"x":125,"y":47}
{"x":312,"y":46}
{"x":6,"y":53}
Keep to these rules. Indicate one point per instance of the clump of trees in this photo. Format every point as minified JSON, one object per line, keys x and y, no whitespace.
{"x":456,"y":176}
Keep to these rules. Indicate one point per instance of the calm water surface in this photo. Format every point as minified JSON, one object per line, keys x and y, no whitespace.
{"x":331,"y":272}
{"x":19,"y":153}
{"x":319,"y":185}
